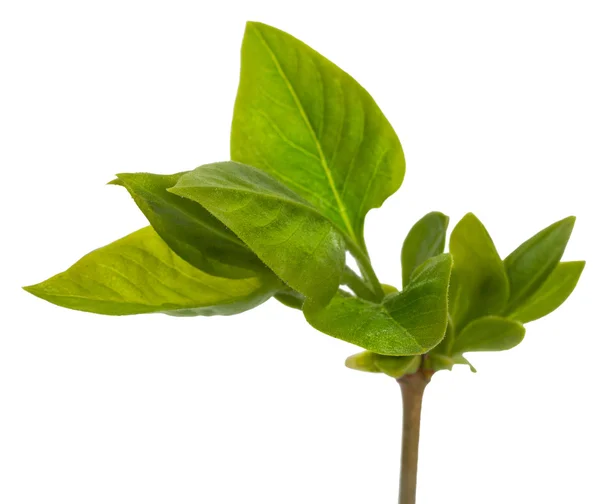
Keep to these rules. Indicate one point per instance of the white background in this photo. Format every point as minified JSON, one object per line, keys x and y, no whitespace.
{"x":497,"y":106}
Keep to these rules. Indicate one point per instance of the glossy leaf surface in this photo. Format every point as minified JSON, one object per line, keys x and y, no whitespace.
{"x":489,"y":334}
{"x":305,"y":121}
{"x":141,"y":274}
{"x":290,"y":236}
{"x":479,"y":285}
{"x":426,"y":239}
{"x":410,"y":322}
{"x":532,"y":262}
{"x":189,"y":229}
{"x":553,"y":292}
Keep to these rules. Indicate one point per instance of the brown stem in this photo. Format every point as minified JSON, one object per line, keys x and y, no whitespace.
{"x":412,"y":387}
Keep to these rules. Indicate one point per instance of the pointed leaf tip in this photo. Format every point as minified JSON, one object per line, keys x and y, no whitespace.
{"x":532,"y":262}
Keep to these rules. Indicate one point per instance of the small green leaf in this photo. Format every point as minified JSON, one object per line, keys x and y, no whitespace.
{"x":441,"y":362}
{"x":479,"y":285}
{"x":532,"y":262}
{"x":290,"y":298}
{"x":290,"y":236}
{"x":553,"y":292}
{"x":410,"y":322}
{"x":141,"y":274}
{"x":460,"y":359}
{"x":395,"y":367}
{"x":425,"y":239}
{"x":388,"y":289}
{"x":308,"y":123}
{"x":363,"y":361}
{"x":489,"y":334}
{"x":189,"y":229}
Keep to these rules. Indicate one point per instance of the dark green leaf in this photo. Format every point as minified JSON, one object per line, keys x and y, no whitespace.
{"x":189,"y":229}
{"x":307,"y":122}
{"x":289,"y":235}
{"x":407,"y":323}
{"x":426,"y":239}
{"x":141,"y":274}
{"x":489,"y":334}
{"x":290,"y":298}
{"x":478,"y":285}
{"x":531,"y":263}
{"x":553,"y":292}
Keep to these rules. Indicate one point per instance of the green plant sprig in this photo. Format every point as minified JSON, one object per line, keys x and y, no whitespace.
{"x":311,"y":154}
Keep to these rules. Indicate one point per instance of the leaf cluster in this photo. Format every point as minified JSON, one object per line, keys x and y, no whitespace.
{"x":311,"y":154}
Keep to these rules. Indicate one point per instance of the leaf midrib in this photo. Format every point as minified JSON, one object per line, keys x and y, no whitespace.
{"x":222,"y":234}
{"x":341,"y":207}
{"x":179,"y":189}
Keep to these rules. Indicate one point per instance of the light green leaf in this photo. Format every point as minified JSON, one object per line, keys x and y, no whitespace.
{"x":363,"y":361}
{"x":553,"y":292}
{"x":479,"y":285}
{"x":489,"y":334}
{"x":307,"y":122}
{"x":141,"y":274}
{"x":532,"y":262}
{"x":290,"y":236}
{"x":387,"y":364}
{"x":425,"y":239}
{"x":440,"y":362}
{"x":410,"y":322}
{"x":461,"y":359}
{"x":189,"y":229}
{"x":397,"y":367}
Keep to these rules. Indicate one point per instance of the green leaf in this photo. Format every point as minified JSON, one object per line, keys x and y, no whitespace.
{"x":441,"y":362}
{"x":290,"y":298}
{"x":533,"y":261}
{"x":189,"y":229}
{"x":553,"y":292}
{"x":363,"y":361}
{"x":425,"y":239}
{"x":290,"y":236}
{"x":479,"y":285}
{"x":489,"y":334}
{"x":460,"y":359}
{"x":398,"y":366}
{"x":141,"y":274}
{"x":410,"y":322}
{"x":305,"y":121}
{"x":387,"y":364}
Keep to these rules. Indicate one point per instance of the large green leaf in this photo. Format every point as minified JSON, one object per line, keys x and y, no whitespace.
{"x":189,"y":229}
{"x":410,"y":322}
{"x":478,"y":285}
{"x":553,"y":292}
{"x":532,"y":262}
{"x":141,"y":274}
{"x":489,"y":334}
{"x":425,"y":239}
{"x":307,"y":122}
{"x":288,"y":234}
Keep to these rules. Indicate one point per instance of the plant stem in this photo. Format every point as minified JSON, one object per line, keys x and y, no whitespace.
{"x":412,"y":387}
{"x":357,"y":284}
{"x":364,"y":263}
